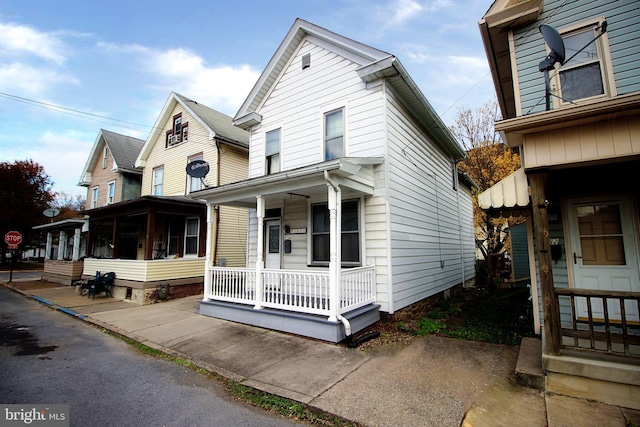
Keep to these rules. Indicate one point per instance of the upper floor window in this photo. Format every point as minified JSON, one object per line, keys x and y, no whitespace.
{"x":272,"y":151}
{"x":158,"y":175}
{"x":111,"y":192}
{"x":193,"y":183}
{"x":94,"y":197}
{"x":334,"y":134}
{"x":350,"y":240}
{"x":585,"y":75}
{"x":105,"y":157}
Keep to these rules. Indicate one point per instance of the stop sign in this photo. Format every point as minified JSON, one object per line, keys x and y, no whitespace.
{"x":13,"y":239}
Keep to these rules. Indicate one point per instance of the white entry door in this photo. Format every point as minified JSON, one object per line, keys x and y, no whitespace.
{"x":272,"y":245}
{"x":603,"y":252}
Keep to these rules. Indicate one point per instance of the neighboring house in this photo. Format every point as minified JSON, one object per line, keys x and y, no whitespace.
{"x":580,"y":159}
{"x":65,"y":249}
{"x":347,"y":162}
{"x":160,"y":237}
{"x":110,"y":174}
{"x":110,"y":177}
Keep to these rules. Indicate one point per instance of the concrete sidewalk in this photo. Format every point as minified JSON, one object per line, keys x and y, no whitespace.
{"x":434,"y":381}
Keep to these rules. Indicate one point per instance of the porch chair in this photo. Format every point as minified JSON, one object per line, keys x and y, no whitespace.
{"x":103,"y":284}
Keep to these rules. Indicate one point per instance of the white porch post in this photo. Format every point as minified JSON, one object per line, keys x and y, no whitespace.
{"x":76,"y":244}
{"x":260,"y":252}
{"x":62,"y":245}
{"x":335,"y":230}
{"x":208,"y":290}
{"x":47,"y":254}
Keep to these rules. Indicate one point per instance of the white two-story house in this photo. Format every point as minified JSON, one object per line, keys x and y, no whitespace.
{"x":356,"y":204}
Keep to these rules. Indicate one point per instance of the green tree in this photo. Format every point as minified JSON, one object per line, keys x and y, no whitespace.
{"x":24,"y":194}
{"x":489,"y":161}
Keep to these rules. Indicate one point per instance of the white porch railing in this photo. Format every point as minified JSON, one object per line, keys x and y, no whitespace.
{"x":293,"y":290}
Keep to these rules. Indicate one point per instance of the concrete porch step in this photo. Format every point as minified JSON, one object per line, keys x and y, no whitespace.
{"x":529,"y":371}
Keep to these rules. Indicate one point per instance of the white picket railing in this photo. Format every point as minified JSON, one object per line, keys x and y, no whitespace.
{"x":298,"y":291}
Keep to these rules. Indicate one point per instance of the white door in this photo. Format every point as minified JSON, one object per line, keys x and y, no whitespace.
{"x":603,"y":252}
{"x":272,"y":245}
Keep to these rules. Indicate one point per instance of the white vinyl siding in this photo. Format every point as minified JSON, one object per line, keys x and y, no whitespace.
{"x":298,"y":103}
{"x":431,"y":223}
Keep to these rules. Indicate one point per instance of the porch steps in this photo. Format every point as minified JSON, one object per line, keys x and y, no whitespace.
{"x":307,"y":325}
{"x":529,"y":371}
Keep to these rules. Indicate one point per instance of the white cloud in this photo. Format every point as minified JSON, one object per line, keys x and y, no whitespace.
{"x":404,"y":10}
{"x":222,"y":87}
{"x":20,"y":39}
{"x":28,"y":80}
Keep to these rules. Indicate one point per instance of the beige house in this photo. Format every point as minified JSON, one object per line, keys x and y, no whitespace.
{"x":160,"y":237}
{"x":110,"y":175}
{"x":570,"y":97}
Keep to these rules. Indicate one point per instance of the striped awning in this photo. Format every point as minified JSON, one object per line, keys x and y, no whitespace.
{"x":511,"y":192}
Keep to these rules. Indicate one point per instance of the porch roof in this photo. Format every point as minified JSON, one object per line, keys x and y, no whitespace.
{"x":352,"y":173}
{"x":162,"y":204}
{"x":510,"y":193}
{"x":64,"y":224}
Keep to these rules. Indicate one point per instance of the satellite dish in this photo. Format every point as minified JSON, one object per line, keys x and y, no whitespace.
{"x":553,"y":39}
{"x":198,"y":168}
{"x":51,"y":212}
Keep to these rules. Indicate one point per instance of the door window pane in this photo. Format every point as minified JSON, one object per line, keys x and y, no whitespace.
{"x":601,"y":239}
{"x":274,"y":239}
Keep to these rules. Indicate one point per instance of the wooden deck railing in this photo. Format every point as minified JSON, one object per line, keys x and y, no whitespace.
{"x":614,"y":333}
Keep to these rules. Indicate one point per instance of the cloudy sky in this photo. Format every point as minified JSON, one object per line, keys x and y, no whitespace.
{"x":69,"y":68}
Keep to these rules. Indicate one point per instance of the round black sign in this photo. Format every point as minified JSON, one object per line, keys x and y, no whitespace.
{"x":198,"y":168}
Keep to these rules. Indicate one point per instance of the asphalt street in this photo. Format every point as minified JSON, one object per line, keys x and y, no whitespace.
{"x":48,"y":357}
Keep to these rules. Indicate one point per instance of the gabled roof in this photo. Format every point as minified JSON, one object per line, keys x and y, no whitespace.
{"x":124,"y":150}
{"x":218,"y":125}
{"x":375,"y":64}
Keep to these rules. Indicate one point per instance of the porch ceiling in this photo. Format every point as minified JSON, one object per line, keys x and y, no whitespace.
{"x":354,"y":174}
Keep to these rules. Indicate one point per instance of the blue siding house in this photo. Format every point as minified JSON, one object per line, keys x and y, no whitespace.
{"x":567,"y":76}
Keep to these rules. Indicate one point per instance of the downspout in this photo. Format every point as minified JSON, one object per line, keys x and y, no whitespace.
{"x":338,"y":195}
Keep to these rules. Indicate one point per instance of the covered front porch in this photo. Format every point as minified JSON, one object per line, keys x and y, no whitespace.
{"x":307,"y":271}
{"x":147,"y":242}
{"x":583,"y":238}
{"x":65,"y":249}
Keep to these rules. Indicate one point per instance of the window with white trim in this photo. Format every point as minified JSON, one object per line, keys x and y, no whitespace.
{"x":111,"y":192}
{"x":156,"y":185}
{"x":585,"y":75}
{"x":193,"y":183}
{"x":191,"y":232}
{"x":94,"y":197}
{"x":334,"y":134}
{"x":350,"y":239}
{"x":272,"y":151}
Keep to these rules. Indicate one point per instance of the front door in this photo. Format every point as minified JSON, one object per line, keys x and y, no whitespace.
{"x":272,"y":245}
{"x":603,"y":252}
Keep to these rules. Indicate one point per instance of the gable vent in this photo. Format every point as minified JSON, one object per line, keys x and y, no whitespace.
{"x":306,"y":61}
